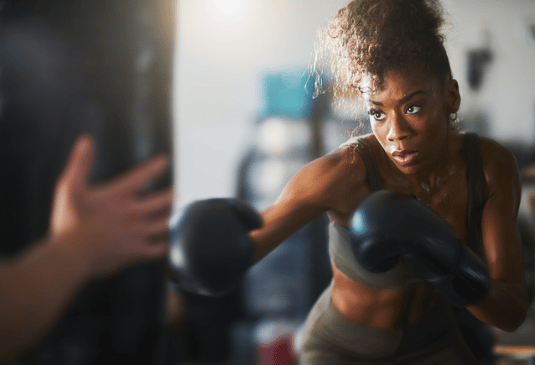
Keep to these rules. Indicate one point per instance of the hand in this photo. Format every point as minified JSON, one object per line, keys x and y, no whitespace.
{"x":110,"y":226}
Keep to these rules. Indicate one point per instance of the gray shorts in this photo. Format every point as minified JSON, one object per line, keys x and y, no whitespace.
{"x":331,"y":338}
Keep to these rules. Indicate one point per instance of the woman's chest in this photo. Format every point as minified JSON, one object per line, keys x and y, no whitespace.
{"x":450,"y":201}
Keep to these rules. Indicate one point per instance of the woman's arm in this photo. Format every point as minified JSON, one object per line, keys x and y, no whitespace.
{"x":505,"y":307}
{"x":333,"y":182}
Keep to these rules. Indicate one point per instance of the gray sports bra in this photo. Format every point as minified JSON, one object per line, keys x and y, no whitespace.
{"x":400,"y":276}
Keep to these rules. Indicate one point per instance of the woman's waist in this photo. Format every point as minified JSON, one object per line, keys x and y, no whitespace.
{"x":380,"y":307}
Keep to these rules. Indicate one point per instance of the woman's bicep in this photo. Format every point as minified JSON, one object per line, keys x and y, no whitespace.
{"x":502,"y":244}
{"x":501,"y":237}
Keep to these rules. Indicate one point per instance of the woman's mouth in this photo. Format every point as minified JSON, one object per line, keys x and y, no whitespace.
{"x":405,"y":157}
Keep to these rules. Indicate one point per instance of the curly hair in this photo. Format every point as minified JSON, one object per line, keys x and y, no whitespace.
{"x":369,"y":37}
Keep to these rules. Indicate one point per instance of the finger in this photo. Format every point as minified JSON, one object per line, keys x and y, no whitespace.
{"x":139,"y":177}
{"x":156,"y":202}
{"x":156,"y":228}
{"x":80,"y":162}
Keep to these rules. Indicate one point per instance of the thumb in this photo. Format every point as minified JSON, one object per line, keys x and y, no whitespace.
{"x":80,"y":162}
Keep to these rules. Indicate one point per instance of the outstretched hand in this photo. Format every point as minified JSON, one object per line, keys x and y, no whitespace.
{"x":111,"y":225}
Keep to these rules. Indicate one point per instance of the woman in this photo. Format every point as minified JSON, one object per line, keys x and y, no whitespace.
{"x":390,"y":53}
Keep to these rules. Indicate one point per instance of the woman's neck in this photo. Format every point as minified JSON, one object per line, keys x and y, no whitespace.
{"x":429,"y":180}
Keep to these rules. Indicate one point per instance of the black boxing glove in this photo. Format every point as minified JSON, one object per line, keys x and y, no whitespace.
{"x":210,"y":249}
{"x":387,"y":226}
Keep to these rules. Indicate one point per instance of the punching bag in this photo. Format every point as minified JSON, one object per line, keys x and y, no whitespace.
{"x":72,"y":67}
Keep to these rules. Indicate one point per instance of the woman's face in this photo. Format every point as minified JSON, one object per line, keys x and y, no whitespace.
{"x":409,"y":116}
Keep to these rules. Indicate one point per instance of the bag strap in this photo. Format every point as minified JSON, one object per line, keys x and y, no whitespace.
{"x":373,"y":177}
{"x":477,"y":192}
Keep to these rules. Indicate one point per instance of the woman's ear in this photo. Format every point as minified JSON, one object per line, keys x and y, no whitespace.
{"x":453,"y":95}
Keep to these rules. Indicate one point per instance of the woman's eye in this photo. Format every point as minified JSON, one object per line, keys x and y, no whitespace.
{"x":413,"y":109}
{"x":376,"y":114}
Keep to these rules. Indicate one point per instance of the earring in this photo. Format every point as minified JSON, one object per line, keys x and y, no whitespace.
{"x":453,"y":116}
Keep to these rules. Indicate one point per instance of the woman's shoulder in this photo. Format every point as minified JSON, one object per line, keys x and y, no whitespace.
{"x":345,"y":162}
{"x":499,"y":164}
{"x":348,"y":157}
{"x":331,"y":179}
{"x":495,"y":155}
{"x":354,"y":141}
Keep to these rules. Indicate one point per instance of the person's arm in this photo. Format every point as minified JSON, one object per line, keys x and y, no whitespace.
{"x":334,"y":183}
{"x":505,"y":307}
{"x":94,"y":232}
{"x":36,"y":288}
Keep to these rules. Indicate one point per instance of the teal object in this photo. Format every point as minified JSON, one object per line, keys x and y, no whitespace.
{"x":288,"y":94}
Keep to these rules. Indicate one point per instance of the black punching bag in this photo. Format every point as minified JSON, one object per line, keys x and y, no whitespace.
{"x":69,"y":67}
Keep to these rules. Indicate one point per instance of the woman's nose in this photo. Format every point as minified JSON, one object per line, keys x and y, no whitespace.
{"x":398,"y":129}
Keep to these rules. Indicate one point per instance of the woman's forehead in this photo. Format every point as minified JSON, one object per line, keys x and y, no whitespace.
{"x":398,"y":84}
